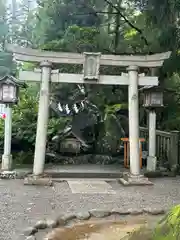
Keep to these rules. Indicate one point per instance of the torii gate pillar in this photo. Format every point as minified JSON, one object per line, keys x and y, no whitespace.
{"x":133,"y":120}
{"x":42,"y":122}
{"x":134,"y":177}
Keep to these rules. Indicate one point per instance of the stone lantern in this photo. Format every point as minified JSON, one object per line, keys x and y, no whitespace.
{"x":153,"y":100}
{"x":9,"y":89}
{"x":153,"y":97}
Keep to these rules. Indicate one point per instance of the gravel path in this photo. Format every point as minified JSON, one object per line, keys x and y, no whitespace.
{"x":21,"y":206}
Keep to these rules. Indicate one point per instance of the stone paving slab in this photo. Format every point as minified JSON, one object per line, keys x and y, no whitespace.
{"x":22,"y":206}
{"x":90,"y":187}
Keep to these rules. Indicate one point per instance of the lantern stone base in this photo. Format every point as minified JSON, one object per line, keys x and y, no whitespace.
{"x":134,"y":180}
{"x":6,"y":162}
{"x":151,"y":164}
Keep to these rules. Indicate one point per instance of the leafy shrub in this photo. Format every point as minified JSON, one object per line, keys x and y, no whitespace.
{"x":24,"y":123}
{"x":169,"y":226}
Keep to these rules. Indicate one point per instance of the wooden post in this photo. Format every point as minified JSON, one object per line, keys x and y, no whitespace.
{"x":126,"y":151}
{"x":174,"y":149}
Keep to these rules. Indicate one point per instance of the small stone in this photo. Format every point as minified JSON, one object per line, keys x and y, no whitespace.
{"x":30,"y":231}
{"x":42,"y":224}
{"x":69,"y":216}
{"x":51,"y":223}
{"x":154,"y":211}
{"x":63,"y":220}
{"x":100,"y":213}
{"x":135,"y":212}
{"x":120,"y":211}
{"x":83,"y":215}
{"x":30,"y":238}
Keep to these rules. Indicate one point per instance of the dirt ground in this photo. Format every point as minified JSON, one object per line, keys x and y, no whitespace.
{"x":21,"y":206}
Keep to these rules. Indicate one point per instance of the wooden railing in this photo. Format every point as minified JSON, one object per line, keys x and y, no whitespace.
{"x":167,"y":145}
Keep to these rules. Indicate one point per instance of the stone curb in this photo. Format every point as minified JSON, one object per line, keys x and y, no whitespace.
{"x":160,"y":174}
{"x":12,"y":174}
{"x":64,"y":219}
{"x":8,"y":174}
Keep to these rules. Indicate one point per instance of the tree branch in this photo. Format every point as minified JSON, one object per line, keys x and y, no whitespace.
{"x":95,"y":12}
{"x":128,"y":22}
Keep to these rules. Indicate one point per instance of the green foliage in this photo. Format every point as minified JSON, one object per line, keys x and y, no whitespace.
{"x":25,"y":123}
{"x":25,"y":117}
{"x":171,"y":112}
{"x":169,"y":227}
{"x":4,"y":28}
{"x":21,"y":158}
{"x":55,"y":17}
{"x":75,"y":39}
{"x":56,"y":125}
{"x":7,"y":65}
{"x":107,"y":26}
{"x":116,"y":107}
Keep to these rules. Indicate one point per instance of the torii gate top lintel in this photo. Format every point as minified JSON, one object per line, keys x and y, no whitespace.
{"x":33,"y":55}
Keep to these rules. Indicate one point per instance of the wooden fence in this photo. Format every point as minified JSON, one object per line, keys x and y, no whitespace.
{"x":167,"y":145}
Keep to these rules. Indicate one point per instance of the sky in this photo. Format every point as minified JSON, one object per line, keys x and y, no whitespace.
{"x":33,"y":2}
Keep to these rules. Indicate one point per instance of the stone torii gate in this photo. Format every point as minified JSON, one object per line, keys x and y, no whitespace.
{"x":91,"y":63}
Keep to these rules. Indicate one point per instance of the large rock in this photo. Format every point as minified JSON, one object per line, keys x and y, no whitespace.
{"x":120,"y":211}
{"x":154,"y":211}
{"x":64,"y":219}
{"x":41,"y":224}
{"x":51,"y":223}
{"x":83,"y":215}
{"x":99,"y":213}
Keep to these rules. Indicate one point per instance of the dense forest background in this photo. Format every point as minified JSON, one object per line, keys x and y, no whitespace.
{"x":106,"y":26}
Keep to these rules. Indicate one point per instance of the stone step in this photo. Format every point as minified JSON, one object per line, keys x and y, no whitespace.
{"x":90,"y":179}
{"x":85,"y":174}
